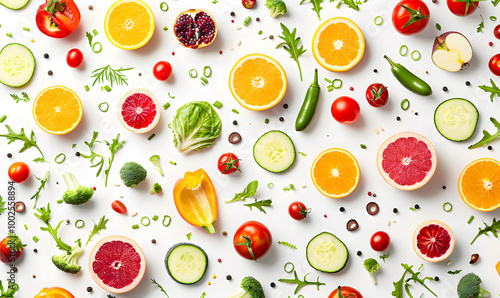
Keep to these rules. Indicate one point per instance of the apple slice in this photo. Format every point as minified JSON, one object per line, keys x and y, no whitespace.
{"x":452,"y":51}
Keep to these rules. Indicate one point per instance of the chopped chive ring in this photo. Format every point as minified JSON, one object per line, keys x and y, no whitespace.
{"x":205,"y":69}
{"x":246,"y":21}
{"x":378,"y":20}
{"x":403,"y":48}
{"x":270,"y":184}
{"x":60,"y":158}
{"x":79,"y":224}
{"x":163,"y":6}
{"x":193,"y":73}
{"x":405,"y":104}
{"x":94,"y":45}
{"x":470,"y":219}
{"x":104,"y":107}
{"x":136,"y":226}
{"x":107,"y":88}
{"x":165,"y":28}
{"x":59,"y":201}
{"x":447,"y":207}
{"x":165,"y":218}
{"x":170,"y":95}
{"x":291,"y":270}
{"x":266,"y":121}
{"x":165,"y":106}
{"x":8,"y":34}
{"x":337,"y":83}
{"x":493,"y":18}
{"x":147,"y":222}
{"x":95,"y":32}
{"x":415,"y":58}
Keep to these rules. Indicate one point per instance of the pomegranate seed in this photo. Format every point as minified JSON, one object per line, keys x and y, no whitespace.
{"x":490,"y":44}
{"x":219,"y":260}
{"x":232,"y":21}
{"x":351,"y":88}
{"x":369,"y":193}
{"x":94,"y":188}
{"x":173,"y":53}
{"x":220,"y":52}
{"x":324,"y":215}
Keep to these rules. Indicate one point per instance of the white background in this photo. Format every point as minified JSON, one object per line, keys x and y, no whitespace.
{"x":323,"y":133}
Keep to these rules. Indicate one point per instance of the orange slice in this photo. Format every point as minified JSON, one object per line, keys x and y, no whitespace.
{"x":129,"y":24}
{"x":57,"y":110}
{"x":497,"y":267}
{"x":258,"y":82}
{"x":335,"y":173}
{"x":479,"y":184}
{"x":338,"y":44}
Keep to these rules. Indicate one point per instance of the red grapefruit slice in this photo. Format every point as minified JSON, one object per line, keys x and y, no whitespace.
{"x":433,"y":241}
{"x":139,"y":111}
{"x":117,"y":264}
{"x":407,"y":160}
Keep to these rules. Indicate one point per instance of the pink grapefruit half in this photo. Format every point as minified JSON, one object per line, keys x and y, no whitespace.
{"x":117,"y":264}
{"x":139,"y":111}
{"x":433,"y":241}
{"x":407,"y":160}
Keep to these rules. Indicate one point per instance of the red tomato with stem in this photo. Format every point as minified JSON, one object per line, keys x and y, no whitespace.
{"x":345,"y":110}
{"x":462,"y":8}
{"x":494,"y":64}
{"x":19,"y":172}
{"x":346,"y":291}
{"x":228,"y":163}
{"x":380,"y":241}
{"x":377,"y":95}
{"x":410,"y":16}
{"x":57,"y":20}
{"x":162,"y":70}
{"x":298,"y":210}
{"x":119,"y":207}
{"x":252,"y":240}
{"x":496,"y":31}
{"x":74,"y":58}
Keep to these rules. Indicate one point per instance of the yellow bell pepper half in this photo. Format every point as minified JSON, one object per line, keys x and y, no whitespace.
{"x":196,"y":201}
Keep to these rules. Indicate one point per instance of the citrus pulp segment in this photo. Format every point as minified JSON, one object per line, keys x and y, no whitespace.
{"x":139,"y":111}
{"x":479,"y":184}
{"x":433,"y":241}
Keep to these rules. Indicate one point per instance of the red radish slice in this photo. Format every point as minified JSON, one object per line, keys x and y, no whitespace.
{"x":139,"y":111}
{"x":433,"y":241}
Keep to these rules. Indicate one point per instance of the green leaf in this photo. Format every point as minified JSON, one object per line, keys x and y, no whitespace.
{"x":108,"y":74}
{"x":2,"y":204}
{"x":316,"y":6}
{"x":89,"y":37}
{"x":159,"y":286}
{"x":487,"y":137}
{"x":40,"y":188}
{"x":98,"y":227}
{"x":11,"y":290}
{"x":260,"y":204}
{"x":21,"y":136}
{"x":454,"y":272}
{"x":249,"y":191}
{"x":414,"y":277}
{"x":301,"y":283}
{"x":287,"y":244}
{"x":493,"y":228}
{"x":45,"y":217}
{"x":290,"y":44}
{"x":481,"y":25}
{"x":398,"y":286}
{"x":493,"y":89}
{"x":383,"y":257}
{"x":113,"y":147}
{"x":351,"y":4}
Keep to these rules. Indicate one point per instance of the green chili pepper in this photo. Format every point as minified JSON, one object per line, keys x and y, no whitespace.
{"x":308,"y":108}
{"x":409,"y":80}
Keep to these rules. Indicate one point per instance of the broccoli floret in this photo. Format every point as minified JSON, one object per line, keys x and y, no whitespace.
{"x":156,"y":188}
{"x":371,"y":265}
{"x":68,"y":262}
{"x":469,"y":287}
{"x":249,"y":288}
{"x":155,"y":159}
{"x":276,"y":7}
{"x":76,"y":194}
{"x":132,"y":174}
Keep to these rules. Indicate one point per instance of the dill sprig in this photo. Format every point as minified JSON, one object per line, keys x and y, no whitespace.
{"x":111,"y":75}
{"x":287,"y":244}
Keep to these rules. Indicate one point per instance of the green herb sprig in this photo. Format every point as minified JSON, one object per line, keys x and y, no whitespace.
{"x":383,"y":257}
{"x":260,"y":204}
{"x":92,"y":156}
{"x":98,"y":227}
{"x":11,"y":290}
{"x":113,"y":147}
{"x":398,"y":286}
{"x":351,"y":3}
{"x":316,"y":6}
{"x":44,"y":215}
{"x":24,"y":98}
{"x":493,"y":228}
{"x":249,"y":191}
{"x":159,"y":286}
{"x":28,"y":142}
{"x":481,"y":25}
{"x":290,"y":44}
{"x":2,"y":204}
{"x":493,"y":89}
{"x":43,"y":181}
{"x":454,"y":272}
{"x":301,"y":283}
{"x":108,"y":74}
{"x":487,"y":137}
{"x":287,"y":244}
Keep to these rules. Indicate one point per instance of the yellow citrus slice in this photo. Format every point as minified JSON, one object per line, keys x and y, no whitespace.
{"x":338,"y":44}
{"x":258,"y":82}
{"x":479,"y":184}
{"x":335,"y":173}
{"x":129,"y":24}
{"x":57,"y":110}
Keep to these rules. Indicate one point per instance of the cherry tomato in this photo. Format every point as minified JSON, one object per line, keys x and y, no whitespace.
{"x":74,"y":58}
{"x":380,"y":241}
{"x":345,"y":292}
{"x":119,"y":207}
{"x":54,"y":292}
{"x":494,"y":64}
{"x":496,"y":31}
{"x":252,"y":240}
{"x":162,"y":70}
{"x":248,"y":4}
{"x":462,"y":8}
{"x":345,"y":110}
{"x":377,"y":95}
{"x":298,"y":210}
{"x":228,"y":163}
{"x":410,"y":16}
{"x":57,"y":18}
{"x":19,"y":172}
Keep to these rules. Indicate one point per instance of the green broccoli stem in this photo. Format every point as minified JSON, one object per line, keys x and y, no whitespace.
{"x":483,"y":293}
{"x":240,"y":294}
{"x":70,"y":181}
{"x":372,"y":275}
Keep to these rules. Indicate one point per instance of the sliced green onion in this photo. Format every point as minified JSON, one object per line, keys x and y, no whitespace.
{"x":470,"y":219}
{"x":79,"y":224}
{"x":104,"y":107}
{"x":73,"y":146}
{"x":415,"y":58}
{"x":363,"y":146}
{"x":438,"y":26}
{"x":205,"y":69}
{"x":169,"y":220}
{"x":337,"y":83}
{"x":266,"y":121}
{"x":136,"y":226}
{"x":329,"y":88}
{"x":95,"y":32}
{"x":378,"y":20}
{"x":155,"y":218}
{"x":447,"y":206}
{"x":217,"y":104}
{"x":147,"y":222}
{"x":412,"y":209}
{"x":94,"y":45}
{"x":35,"y":238}
{"x":25,"y":227}
{"x":107,"y":88}
{"x":58,"y":159}
{"x":193,"y":73}
{"x":204,"y":80}
{"x":171,"y":96}
{"x":405,"y":48}
{"x":291,"y":270}
{"x":165,"y":28}
{"x":163,"y":6}
{"x":292,"y":186}
{"x":151,"y":137}
{"x":173,"y":163}
{"x":165,"y":106}
{"x":260,"y":32}
{"x":102,"y":88}
{"x":203,"y":84}
{"x":270,"y":184}
{"x":302,"y":153}
{"x":235,"y":111}
{"x":3,"y":118}
{"x":493,"y":18}
{"x":26,"y":29}
{"x":188,"y":235}
{"x":169,"y":125}
{"x":246,"y":21}
{"x":87,"y":88}
{"x":8,"y":34}
{"x":405,"y":104}
{"x":59,"y":201}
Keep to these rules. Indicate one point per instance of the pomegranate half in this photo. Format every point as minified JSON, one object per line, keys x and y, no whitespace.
{"x":195,"y":28}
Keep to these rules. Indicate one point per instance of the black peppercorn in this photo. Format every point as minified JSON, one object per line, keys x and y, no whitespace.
{"x":232,"y":13}
{"x":35,"y":250}
{"x":77,"y":153}
{"x":271,"y":37}
{"x":359,"y":253}
{"x":46,"y":56}
{"x":224,"y":233}
{"x":398,"y":118}
{"x":436,"y":278}
{"x":235,"y":122}
{"x":89,"y":289}
{"x":282,"y":119}
{"x":490,"y":148}
{"x":50,"y":72}
{"x":285,"y":106}
{"x":9,"y":155}
{"x":342,"y":209}
{"x":467,"y":83}
{"x":257,"y":19}
{"x":445,"y":88}
{"x":273,"y":285}
{"x":444,"y":187}
{"x":229,"y":277}
{"x":417,"y":206}
{"x":153,"y":241}
{"x":374,"y":195}
{"x":375,"y":70}
{"x":416,"y":113}
{"x":395,"y":210}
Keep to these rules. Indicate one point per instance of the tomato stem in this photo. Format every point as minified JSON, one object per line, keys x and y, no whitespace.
{"x":415,"y":15}
{"x":248,"y":244}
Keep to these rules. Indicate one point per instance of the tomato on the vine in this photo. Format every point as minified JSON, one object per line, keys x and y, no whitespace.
{"x":380,"y":241}
{"x":345,"y":110}
{"x":462,"y":8}
{"x":19,"y":172}
{"x":494,"y":64}
{"x":248,"y":4}
{"x":74,"y":58}
{"x":252,"y":240}
{"x":377,"y":95}
{"x":410,"y":16}
{"x":346,"y":291}
{"x":228,"y":163}
{"x":298,"y":210}
{"x":162,"y":70}
{"x":119,"y":207}
{"x":57,"y":19}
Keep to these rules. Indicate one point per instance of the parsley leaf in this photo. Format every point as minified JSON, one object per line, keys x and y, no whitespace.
{"x":42,"y":186}
{"x":454,"y":272}
{"x":28,"y":142}
{"x":316,"y":6}
{"x":113,"y":147}
{"x":493,"y":89}
{"x":98,"y":227}
{"x":383,"y":257}
{"x":24,"y":98}
{"x":249,"y":191}
{"x":487,"y":137}
{"x":290,"y":44}
{"x":260,"y":204}
{"x":351,"y":3}
{"x":493,"y":228}
{"x":481,"y":25}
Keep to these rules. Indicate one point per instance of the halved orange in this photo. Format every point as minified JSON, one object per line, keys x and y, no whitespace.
{"x":497,"y":267}
{"x":258,"y":82}
{"x":129,"y":24}
{"x":479,"y":184}
{"x":57,"y":110}
{"x":335,"y":173}
{"x":338,"y":44}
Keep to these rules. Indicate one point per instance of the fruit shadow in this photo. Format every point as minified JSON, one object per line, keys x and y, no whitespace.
{"x":434,"y":185}
{"x":152,"y":45}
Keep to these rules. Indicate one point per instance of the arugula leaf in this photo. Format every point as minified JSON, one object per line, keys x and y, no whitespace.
{"x":301,"y":283}
{"x":316,"y":6}
{"x":290,"y":44}
{"x":98,"y":227}
{"x":113,"y":147}
{"x":481,"y":25}
{"x":493,"y":89}
{"x":42,"y":186}
{"x":495,"y":226}
{"x":92,"y":155}
{"x":188,"y":235}
{"x":28,"y":142}
{"x":2,"y":204}
{"x":351,"y":3}
{"x":495,"y":2}
{"x":454,"y":272}
{"x":45,"y":217}
{"x":260,"y":204}
{"x":487,"y":137}
{"x":24,"y":98}
{"x":287,"y":244}
{"x":159,"y":286}
{"x":89,"y":37}
{"x":398,"y":286}
{"x":249,"y":191}
{"x":414,"y":277}
{"x":383,"y":257}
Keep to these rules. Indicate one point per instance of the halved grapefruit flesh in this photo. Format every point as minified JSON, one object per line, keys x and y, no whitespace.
{"x":139,"y":111}
{"x":117,"y":264}
{"x":433,"y":241}
{"x":407,"y":160}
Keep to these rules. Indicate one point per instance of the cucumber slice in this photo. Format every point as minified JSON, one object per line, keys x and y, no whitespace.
{"x":17,"y":65}
{"x":186,"y":263}
{"x":14,"y":4}
{"x":456,"y":119}
{"x":326,"y":253}
{"x":274,"y":151}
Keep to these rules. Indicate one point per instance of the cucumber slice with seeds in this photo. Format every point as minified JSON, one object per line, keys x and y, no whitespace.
{"x":17,"y":65}
{"x":274,"y":151}
{"x":14,"y":4}
{"x":456,"y":119}
{"x":186,"y":263}
{"x":326,"y":253}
